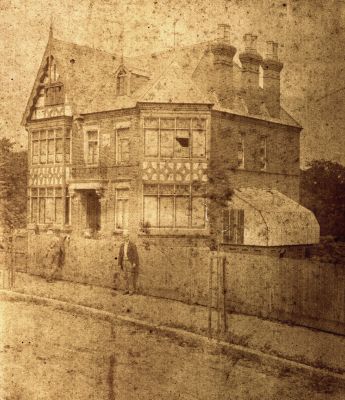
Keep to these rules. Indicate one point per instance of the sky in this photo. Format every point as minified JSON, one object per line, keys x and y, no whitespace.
{"x":311,"y":34}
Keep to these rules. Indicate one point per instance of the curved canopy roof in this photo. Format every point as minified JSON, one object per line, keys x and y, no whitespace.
{"x":273,"y":219}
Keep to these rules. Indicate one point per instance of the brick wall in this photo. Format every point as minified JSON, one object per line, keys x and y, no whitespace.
{"x":282,"y":172}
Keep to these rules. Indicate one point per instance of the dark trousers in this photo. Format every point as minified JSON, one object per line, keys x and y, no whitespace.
{"x":130,"y":276}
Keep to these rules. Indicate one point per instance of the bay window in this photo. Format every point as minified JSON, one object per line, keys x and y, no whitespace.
{"x":47,"y":206}
{"x":47,"y":146}
{"x":173,"y":206}
{"x":175,"y":137}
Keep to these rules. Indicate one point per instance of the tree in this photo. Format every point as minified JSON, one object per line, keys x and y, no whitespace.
{"x":13,"y":178}
{"x":323,"y":192}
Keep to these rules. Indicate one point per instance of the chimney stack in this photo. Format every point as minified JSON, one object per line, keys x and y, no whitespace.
{"x":250,"y":60}
{"x":271,"y":77}
{"x":223,"y":54}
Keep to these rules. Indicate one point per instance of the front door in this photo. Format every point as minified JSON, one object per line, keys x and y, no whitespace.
{"x":93,"y":211}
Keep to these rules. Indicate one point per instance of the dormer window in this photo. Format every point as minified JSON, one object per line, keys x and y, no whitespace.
{"x":121,"y":83}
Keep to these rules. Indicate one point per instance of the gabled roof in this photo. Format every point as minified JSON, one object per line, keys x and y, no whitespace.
{"x":173,"y":76}
{"x":174,"y":86}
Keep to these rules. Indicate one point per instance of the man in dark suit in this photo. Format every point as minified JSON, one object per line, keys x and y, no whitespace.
{"x":129,"y":262}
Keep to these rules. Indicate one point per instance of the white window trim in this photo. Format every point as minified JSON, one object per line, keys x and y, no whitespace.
{"x":86,"y":130}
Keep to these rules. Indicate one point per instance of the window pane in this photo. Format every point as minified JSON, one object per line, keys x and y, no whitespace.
{"x":50,"y":210}
{"x":43,"y":151}
{"x":93,"y":153}
{"x":198,"y":212}
{"x":34,"y":209}
{"x":67,"y":210}
{"x":150,"y":210}
{"x":51,"y":148}
{"x":59,"y":150}
{"x":182,"y":211}
{"x":151,"y":122}
{"x":199,"y":144}
{"x":199,"y":123}
{"x":183,"y":123}
{"x":166,"y":211}
{"x":43,"y":135}
{"x":58,"y":213}
{"x":151,"y":142}
{"x":167,"y":143}
{"x":51,"y":134}
{"x":67,"y":149}
{"x":35,"y":135}
{"x":42,"y":202}
{"x":182,"y":144}
{"x":58,"y":133}
{"x":124,"y":150}
{"x":121,"y":214}
{"x":122,"y":194}
{"x":167,"y":123}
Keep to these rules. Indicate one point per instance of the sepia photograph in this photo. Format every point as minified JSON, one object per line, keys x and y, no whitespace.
{"x":172,"y":200}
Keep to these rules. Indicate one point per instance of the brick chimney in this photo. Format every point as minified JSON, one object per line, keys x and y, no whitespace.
{"x":251,"y":61}
{"x":272,"y":67}
{"x":223,"y":54}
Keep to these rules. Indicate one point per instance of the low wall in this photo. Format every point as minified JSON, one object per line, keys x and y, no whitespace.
{"x":266,"y":284}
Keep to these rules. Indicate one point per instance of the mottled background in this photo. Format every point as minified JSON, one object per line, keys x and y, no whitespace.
{"x":310,"y":32}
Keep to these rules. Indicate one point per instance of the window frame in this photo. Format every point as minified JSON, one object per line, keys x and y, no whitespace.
{"x":126,"y":136}
{"x":123,"y":200}
{"x":87,"y":131}
{"x":179,"y":191}
{"x":41,"y":196}
{"x":178,"y":131}
{"x":41,"y":139}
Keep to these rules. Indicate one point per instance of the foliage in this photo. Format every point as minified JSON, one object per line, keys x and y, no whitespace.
{"x":323,"y":192}
{"x":13,"y":177}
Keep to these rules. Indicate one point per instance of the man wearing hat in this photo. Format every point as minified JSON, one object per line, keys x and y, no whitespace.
{"x":129,"y":262}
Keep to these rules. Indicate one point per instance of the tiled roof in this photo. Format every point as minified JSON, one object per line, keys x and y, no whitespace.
{"x":173,"y":76}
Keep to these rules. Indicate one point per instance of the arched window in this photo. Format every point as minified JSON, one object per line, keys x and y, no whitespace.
{"x":121,"y":81}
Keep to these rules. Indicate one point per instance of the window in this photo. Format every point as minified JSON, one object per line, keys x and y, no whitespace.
{"x":54,"y":94}
{"x":240,"y":150}
{"x":122,"y":145}
{"x":92,"y":147}
{"x":47,"y":146}
{"x":263,"y":153}
{"x":233,"y":226}
{"x":121,"y":209}
{"x":46,"y":205}
{"x":173,"y":206}
{"x":175,"y":137}
{"x":121,"y":81}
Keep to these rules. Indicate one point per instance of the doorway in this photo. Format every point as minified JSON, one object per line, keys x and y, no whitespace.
{"x":93,"y":211}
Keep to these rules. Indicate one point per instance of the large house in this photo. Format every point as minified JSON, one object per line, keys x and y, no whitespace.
{"x":142,"y":142}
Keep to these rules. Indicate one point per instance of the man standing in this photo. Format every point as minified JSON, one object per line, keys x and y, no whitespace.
{"x":55,"y":255}
{"x":129,"y":262}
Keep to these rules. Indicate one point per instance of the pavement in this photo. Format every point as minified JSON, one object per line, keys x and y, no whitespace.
{"x":306,"y":348}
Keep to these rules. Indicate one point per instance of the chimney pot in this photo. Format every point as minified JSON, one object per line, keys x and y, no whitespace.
{"x":224,"y":33}
{"x":250,"y":42}
{"x":272,"y":50}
